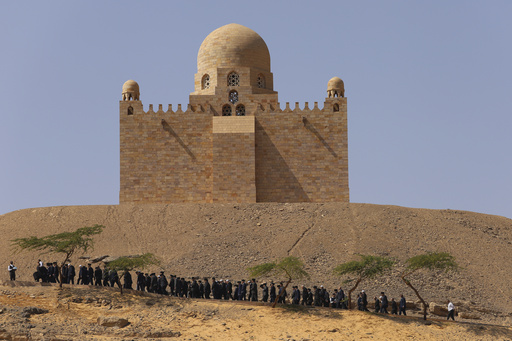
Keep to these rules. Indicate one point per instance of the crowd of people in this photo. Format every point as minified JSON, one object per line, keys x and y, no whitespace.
{"x":218,"y":289}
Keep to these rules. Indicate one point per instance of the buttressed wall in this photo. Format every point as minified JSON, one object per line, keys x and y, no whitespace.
{"x":233,"y":142}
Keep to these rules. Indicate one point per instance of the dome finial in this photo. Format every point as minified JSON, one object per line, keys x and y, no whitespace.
{"x":335,"y":87}
{"x":131,"y":91}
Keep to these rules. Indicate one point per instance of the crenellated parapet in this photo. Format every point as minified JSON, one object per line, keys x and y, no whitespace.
{"x":331,"y":104}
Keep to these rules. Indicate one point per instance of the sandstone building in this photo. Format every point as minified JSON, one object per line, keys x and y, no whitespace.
{"x":233,"y":142}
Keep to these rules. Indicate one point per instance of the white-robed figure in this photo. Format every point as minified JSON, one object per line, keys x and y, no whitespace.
{"x":451,"y":310}
{"x":12,"y":271}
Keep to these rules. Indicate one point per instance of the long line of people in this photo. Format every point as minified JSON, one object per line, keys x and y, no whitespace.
{"x":217,"y":289}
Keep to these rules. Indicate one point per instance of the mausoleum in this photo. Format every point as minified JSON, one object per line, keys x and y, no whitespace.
{"x":234,"y":142}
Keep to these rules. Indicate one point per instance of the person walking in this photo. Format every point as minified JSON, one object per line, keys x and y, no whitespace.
{"x":451,"y":310}
{"x":402,"y":305}
{"x":12,"y":271}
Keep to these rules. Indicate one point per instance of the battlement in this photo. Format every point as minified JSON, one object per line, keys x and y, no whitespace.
{"x":328,"y":106}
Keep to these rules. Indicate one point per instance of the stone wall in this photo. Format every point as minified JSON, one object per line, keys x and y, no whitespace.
{"x":165,"y":157}
{"x":302,"y":155}
{"x":271,"y":155}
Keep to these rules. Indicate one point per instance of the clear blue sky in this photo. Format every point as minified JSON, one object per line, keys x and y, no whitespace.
{"x":428,"y":86}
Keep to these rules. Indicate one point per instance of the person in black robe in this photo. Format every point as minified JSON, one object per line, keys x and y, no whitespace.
{"x":365,"y":300}
{"x":179,"y":286}
{"x":172,"y":285}
{"x":128,"y":282}
{"x":106,"y":276}
{"x":162,"y":284}
{"x":90,"y":274}
{"x":402,"y":305}
{"x":254,"y":290}
{"x":235,"y":295}
{"x":272,"y":292}
{"x":304,"y":295}
{"x":71,"y":274}
{"x":360,"y":302}
{"x":327,"y":299}
{"x":153,"y":284}
{"x":51,"y":273}
{"x":65,"y":274}
{"x":147,"y":283}
{"x":98,"y":276}
{"x":310,"y":297}
{"x":207,"y":288}
{"x":141,"y":281}
{"x":383,"y":303}
{"x":194,"y":289}
{"x":242,"y":290}
{"x":229,"y":289}
{"x":82,"y":275}
{"x":264,"y":288}
{"x":377,"y":304}
{"x":296,"y":295}
{"x":394,"y":307}
{"x":317,"y":300}
{"x":201,"y":288}
{"x":281,"y":294}
{"x":114,"y":278}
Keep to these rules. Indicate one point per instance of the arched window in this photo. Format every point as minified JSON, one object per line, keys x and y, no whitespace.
{"x":226,"y":110}
{"x":336,"y":107}
{"x":233,"y":96}
{"x":233,"y":79}
{"x":240,"y":110}
{"x":130,"y":110}
{"x":205,"y":82}
{"x":261,"y":81}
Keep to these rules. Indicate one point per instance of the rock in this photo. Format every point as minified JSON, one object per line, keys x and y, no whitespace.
{"x":27,"y":311}
{"x":112,"y":321}
{"x":437,"y":309}
{"x":469,"y":316}
{"x":162,"y":334}
{"x":98,"y":259}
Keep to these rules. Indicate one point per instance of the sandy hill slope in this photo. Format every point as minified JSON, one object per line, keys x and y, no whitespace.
{"x":222,"y":240}
{"x":88,"y":313}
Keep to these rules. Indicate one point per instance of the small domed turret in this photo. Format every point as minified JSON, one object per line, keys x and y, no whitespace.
{"x":131,"y":91}
{"x":335,"y":87}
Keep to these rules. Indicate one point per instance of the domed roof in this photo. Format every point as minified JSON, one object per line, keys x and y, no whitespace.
{"x":231,"y":46}
{"x":335,"y":83}
{"x":130,"y":86}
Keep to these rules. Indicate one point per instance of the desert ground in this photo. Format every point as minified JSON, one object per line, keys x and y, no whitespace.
{"x":223,"y":240}
{"x":89,"y":313}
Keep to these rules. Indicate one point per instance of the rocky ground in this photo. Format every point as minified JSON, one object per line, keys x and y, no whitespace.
{"x":90,"y":313}
{"x":222,"y":240}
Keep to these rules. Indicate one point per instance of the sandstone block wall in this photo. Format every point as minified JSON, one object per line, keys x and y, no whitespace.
{"x":302,"y":155}
{"x":271,"y":155}
{"x":165,"y":161}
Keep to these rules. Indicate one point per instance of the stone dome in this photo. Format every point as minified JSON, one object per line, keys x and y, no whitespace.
{"x":232,"y":46}
{"x":335,"y":83}
{"x":131,"y":86}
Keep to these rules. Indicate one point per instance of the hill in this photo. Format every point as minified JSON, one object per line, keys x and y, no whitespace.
{"x":222,"y":240}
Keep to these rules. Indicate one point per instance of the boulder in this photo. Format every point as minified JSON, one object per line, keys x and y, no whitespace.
{"x":437,"y":309}
{"x":469,"y":316}
{"x":112,"y":321}
{"x":29,"y":311}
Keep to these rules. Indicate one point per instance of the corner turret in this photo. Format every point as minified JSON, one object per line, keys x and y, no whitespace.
{"x":131,"y":91}
{"x":335,"y":87}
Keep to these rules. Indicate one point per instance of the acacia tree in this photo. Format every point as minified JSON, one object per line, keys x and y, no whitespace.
{"x":65,"y":243}
{"x":368,"y":267}
{"x":130,"y":263}
{"x":429,"y":261}
{"x":290,"y":267}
